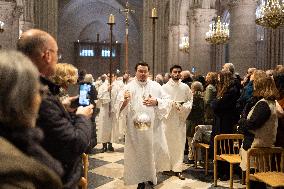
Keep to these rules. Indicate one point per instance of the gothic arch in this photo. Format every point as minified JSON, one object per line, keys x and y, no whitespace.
{"x":77,"y":16}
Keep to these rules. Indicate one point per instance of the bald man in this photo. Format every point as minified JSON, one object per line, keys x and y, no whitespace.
{"x":65,"y":138}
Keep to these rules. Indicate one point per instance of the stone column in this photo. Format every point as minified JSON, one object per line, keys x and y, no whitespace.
{"x":173,"y":45}
{"x":183,"y":56}
{"x":200,"y":51}
{"x":27,"y":20}
{"x":10,"y":14}
{"x":176,"y":32}
{"x":46,"y":16}
{"x":147,"y":32}
{"x":242,"y":34}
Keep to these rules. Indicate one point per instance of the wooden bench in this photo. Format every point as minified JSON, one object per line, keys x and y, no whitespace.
{"x":267,"y":165}
{"x":226,"y":148}
{"x":201,"y":146}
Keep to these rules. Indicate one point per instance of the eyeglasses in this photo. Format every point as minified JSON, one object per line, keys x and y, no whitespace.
{"x":59,"y":56}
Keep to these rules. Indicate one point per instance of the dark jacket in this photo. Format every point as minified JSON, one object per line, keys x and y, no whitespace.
{"x":245,"y":96}
{"x":65,"y":138}
{"x":28,"y":141}
{"x":225,"y":113}
{"x":196,"y":116}
{"x":18,"y":170}
{"x":259,"y":125}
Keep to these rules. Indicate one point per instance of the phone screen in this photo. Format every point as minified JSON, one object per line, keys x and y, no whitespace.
{"x":84,"y":94}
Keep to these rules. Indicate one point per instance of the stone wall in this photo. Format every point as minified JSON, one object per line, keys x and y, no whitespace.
{"x":10,"y":13}
{"x":83,"y":20}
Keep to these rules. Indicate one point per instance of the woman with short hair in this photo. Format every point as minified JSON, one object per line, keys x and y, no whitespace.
{"x":23,"y":161}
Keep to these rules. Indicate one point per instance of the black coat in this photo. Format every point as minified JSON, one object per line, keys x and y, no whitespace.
{"x":65,"y":138}
{"x":28,"y":141}
{"x":225,"y":113}
{"x":18,"y":170}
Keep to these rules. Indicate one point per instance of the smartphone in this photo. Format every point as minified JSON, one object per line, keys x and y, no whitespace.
{"x":84,"y":94}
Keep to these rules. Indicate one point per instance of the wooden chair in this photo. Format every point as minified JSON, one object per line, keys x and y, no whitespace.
{"x":201,"y":146}
{"x":226,"y":148}
{"x":84,"y":180}
{"x":265,"y":165}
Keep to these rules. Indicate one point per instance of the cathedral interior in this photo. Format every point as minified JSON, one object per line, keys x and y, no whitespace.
{"x":77,"y":25}
{"x":160,"y":32}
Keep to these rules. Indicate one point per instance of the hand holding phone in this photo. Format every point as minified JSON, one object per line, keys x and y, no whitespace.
{"x":86,"y":111}
{"x":84,"y":94}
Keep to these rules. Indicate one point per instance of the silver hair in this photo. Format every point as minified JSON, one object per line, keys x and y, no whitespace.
{"x":197,"y":86}
{"x":18,"y":81}
{"x":230,"y":67}
{"x":88,"y":78}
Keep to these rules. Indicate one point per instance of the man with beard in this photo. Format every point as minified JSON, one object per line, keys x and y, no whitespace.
{"x":175,"y":123}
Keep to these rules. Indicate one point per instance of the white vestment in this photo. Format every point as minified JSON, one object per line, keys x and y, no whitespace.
{"x":119,"y":119}
{"x":175,"y":123}
{"x":146,"y":151}
{"x":107,"y":123}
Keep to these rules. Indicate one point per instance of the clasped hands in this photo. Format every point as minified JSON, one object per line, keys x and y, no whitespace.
{"x":148,"y":101}
{"x":177,"y":105}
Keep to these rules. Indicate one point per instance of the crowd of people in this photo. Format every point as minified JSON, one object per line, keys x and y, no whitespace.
{"x":44,"y":129}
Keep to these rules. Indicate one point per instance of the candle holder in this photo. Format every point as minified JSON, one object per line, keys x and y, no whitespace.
{"x":111,"y":23}
{"x":154,"y":17}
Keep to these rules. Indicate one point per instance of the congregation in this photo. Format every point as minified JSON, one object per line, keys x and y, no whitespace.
{"x":45,"y":126}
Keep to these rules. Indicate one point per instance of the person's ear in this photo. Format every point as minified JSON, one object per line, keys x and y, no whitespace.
{"x":46,"y":56}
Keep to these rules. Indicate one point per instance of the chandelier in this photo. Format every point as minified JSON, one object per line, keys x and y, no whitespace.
{"x":184,"y":45}
{"x":270,"y":14}
{"x":218,"y":32}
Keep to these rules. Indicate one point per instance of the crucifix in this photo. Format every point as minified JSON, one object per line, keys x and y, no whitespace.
{"x":127,"y":10}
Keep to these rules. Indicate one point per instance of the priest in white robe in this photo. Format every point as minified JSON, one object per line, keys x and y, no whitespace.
{"x":175,"y":123}
{"x":146,"y":151}
{"x":107,"y":118}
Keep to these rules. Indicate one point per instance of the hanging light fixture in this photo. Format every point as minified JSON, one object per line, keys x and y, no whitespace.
{"x":270,"y":13}
{"x":184,"y":45}
{"x":218,"y":32}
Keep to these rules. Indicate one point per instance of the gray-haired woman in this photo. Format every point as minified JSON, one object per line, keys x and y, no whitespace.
{"x":23,"y":162}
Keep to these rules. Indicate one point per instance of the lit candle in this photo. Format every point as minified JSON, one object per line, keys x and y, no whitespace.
{"x":154,"y":12}
{"x":111,"y":19}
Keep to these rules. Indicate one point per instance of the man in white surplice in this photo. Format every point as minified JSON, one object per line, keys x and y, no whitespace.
{"x":175,"y":123}
{"x":107,"y":123}
{"x":146,"y":151}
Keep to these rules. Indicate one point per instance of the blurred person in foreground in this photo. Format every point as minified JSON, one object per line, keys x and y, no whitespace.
{"x":23,"y":161}
{"x":66,"y":138}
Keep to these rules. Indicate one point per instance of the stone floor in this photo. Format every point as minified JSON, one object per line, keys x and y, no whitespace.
{"x":106,"y":172}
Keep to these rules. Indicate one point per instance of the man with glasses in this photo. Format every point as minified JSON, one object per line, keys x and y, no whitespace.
{"x":175,"y":123}
{"x":65,"y":138}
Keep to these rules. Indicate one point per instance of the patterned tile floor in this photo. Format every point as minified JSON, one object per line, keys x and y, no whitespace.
{"x":106,"y":172}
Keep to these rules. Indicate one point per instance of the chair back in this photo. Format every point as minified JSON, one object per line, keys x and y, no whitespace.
{"x":265,"y":159}
{"x":227,"y":144}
